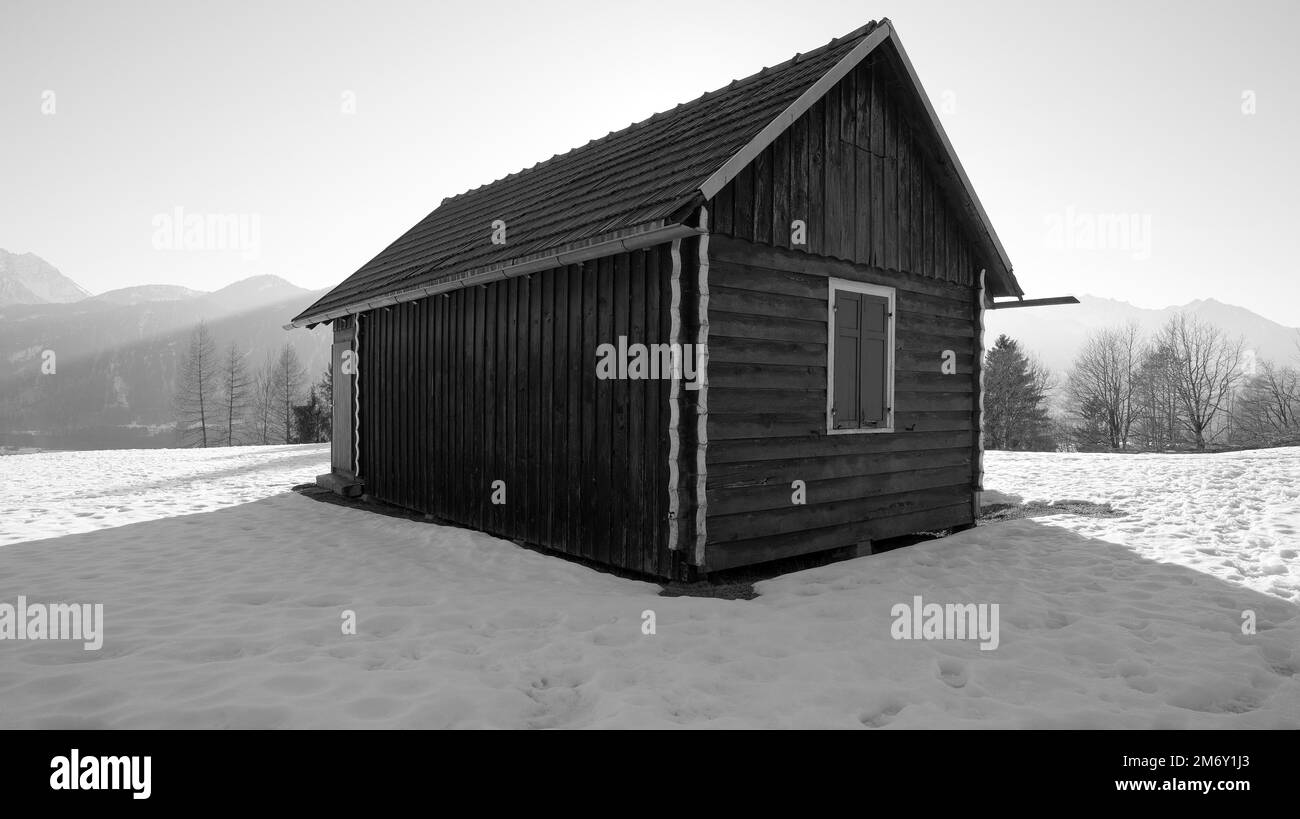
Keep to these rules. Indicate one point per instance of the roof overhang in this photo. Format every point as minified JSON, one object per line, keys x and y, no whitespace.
{"x":642,"y":236}
{"x":1004,"y":281}
{"x":1047,"y":302}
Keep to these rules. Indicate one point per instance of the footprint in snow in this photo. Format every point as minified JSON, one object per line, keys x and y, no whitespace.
{"x":881,"y":717}
{"x":952,"y":673}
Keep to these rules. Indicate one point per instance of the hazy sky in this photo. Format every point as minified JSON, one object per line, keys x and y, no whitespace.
{"x":1065,"y":116}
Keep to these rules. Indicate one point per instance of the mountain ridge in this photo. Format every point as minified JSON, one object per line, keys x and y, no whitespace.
{"x":28,"y":276}
{"x":28,"y":279}
{"x":1055,"y":334}
{"x":118,"y":356}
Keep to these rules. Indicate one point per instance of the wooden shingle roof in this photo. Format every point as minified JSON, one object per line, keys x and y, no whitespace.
{"x":630,"y":181}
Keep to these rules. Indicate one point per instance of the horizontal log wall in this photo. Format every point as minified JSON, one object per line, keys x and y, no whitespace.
{"x":499,"y":383}
{"x":867,"y":181}
{"x":767,"y":410}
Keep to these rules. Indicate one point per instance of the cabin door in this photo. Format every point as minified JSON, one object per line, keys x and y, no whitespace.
{"x":341,"y":435}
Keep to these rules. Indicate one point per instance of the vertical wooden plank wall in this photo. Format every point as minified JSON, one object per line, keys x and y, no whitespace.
{"x":498,"y":382}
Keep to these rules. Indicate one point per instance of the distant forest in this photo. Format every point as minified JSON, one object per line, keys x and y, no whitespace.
{"x":100,"y":376}
{"x":223,"y":400}
{"x":1189,"y":386}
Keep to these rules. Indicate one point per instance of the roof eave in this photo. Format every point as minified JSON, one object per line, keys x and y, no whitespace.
{"x":645,"y":236}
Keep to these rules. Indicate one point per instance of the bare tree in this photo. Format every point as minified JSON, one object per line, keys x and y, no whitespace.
{"x":1103,"y":382}
{"x":289,"y":377}
{"x":236,"y":390}
{"x":197,"y":396}
{"x":1157,"y":416}
{"x":265,"y":424}
{"x":1268,"y":409}
{"x":1205,"y":371}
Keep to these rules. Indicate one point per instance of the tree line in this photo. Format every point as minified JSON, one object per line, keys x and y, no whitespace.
{"x":223,"y":400}
{"x":1187,"y":386}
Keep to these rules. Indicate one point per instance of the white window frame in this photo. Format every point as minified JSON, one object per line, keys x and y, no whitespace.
{"x":879,"y":290}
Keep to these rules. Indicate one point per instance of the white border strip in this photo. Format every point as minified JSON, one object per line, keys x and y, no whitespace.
{"x":834,"y":285}
{"x":979,"y":433}
{"x":356,"y":398}
{"x":674,"y":414}
{"x":702,"y":394}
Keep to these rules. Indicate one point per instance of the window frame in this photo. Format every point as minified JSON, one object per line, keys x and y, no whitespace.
{"x":880,"y":291}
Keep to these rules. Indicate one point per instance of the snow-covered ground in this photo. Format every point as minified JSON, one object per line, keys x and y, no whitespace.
{"x":57,"y":493}
{"x":231,"y":617}
{"x":1235,"y":516}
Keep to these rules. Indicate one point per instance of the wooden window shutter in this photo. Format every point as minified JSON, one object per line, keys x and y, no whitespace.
{"x":847,"y":392}
{"x":873,"y":379}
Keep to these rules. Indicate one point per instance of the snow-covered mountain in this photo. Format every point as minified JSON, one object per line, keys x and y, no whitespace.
{"x":26,"y":278}
{"x":118,"y":355}
{"x":245,"y":294}
{"x":1055,"y":334}
{"x":147,"y":292}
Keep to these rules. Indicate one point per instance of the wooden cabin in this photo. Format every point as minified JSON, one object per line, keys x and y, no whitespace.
{"x":801,"y":255}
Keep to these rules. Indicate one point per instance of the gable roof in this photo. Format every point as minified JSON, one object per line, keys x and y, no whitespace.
{"x":631,"y":188}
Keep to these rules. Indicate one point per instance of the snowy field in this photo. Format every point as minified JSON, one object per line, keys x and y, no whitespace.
{"x":1234,"y":516}
{"x":52,"y":494}
{"x":223,"y":594}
